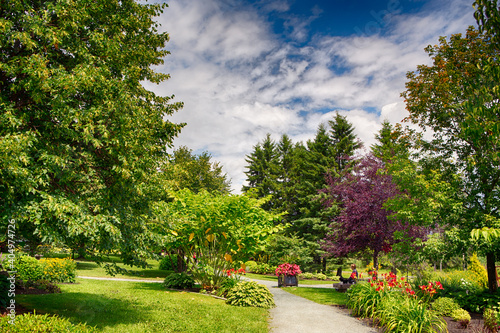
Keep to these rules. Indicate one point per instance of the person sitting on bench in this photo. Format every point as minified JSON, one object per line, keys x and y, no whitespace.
{"x":353,"y":278}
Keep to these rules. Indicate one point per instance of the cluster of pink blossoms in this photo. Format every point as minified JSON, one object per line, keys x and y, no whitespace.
{"x":288,"y":269}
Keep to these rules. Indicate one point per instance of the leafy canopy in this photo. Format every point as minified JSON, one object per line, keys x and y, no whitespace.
{"x":81,"y":139}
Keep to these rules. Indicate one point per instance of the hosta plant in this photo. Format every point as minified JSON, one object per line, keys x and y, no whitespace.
{"x":250,"y":293}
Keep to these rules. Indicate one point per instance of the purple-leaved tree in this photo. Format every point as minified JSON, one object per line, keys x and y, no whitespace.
{"x":363,"y":223}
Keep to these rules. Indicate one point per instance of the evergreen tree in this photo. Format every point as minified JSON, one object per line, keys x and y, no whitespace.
{"x":390,"y":143}
{"x":262,"y":174}
{"x":344,"y":142}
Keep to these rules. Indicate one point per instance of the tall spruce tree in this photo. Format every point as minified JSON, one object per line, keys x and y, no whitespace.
{"x":344,"y":142}
{"x":262,"y":174}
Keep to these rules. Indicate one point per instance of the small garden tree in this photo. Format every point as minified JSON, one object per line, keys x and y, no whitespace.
{"x":363,"y":222}
{"x":214,"y":232}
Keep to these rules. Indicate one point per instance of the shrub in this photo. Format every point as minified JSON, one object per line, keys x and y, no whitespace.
{"x":320,"y":276}
{"x":28,"y":268}
{"x":250,"y":293}
{"x":250,"y":266}
{"x":400,"y":313}
{"x":168,"y":263}
{"x":46,"y":285}
{"x":263,"y":268}
{"x":59,"y":270}
{"x":179,"y":281}
{"x":307,"y":275}
{"x":444,"y":306}
{"x":462,"y":316}
{"x":226,"y":286}
{"x":478,"y":271}
{"x":491,"y":322}
{"x":363,"y":300}
{"x":42,"y":323}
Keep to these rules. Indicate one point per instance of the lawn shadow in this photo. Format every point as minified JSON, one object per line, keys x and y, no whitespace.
{"x":93,"y":309}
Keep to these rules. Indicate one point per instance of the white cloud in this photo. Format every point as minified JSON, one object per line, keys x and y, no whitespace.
{"x":239,"y":80}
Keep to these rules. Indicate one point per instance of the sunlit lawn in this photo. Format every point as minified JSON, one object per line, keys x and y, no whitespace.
{"x":117,"y":306}
{"x":88,"y":268}
{"x":319,"y":295}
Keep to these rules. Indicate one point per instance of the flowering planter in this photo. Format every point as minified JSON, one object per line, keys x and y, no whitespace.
{"x":288,"y":281}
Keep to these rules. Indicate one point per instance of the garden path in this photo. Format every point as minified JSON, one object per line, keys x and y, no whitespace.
{"x":294,"y":314}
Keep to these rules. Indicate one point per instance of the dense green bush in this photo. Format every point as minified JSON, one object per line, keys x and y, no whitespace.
{"x":306,"y":275}
{"x":179,"y":281}
{"x":363,"y":300}
{"x":462,"y":316}
{"x":444,"y":306}
{"x":250,"y":293}
{"x":42,"y":323}
{"x":59,"y":270}
{"x":478,"y":271}
{"x":476,"y":301}
{"x":168,"y":263}
{"x":28,"y":268}
{"x":226,"y":286}
{"x":259,"y":268}
{"x":491,"y":320}
{"x":400,"y":313}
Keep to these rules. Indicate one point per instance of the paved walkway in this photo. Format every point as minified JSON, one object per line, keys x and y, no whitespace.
{"x":294,"y":314}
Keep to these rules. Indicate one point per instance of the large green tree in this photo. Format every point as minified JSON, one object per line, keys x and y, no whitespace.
{"x":196,"y":172}
{"x":81,"y":140}
{"x":457,"y":97}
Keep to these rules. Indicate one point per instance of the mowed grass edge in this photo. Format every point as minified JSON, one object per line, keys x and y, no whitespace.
{"x":118,"y":306}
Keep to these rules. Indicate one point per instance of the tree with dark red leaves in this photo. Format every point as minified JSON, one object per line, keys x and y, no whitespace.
{"x":363,"y":222}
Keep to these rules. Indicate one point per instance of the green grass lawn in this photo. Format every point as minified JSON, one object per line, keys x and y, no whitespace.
{"x":117,"y":306}
{"x":89,"y":268}
{"x":319,"y":295}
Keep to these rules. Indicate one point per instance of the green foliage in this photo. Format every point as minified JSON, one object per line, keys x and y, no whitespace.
{"x":363,"y":300}
{"x":478,"y":271}
{"x":460,"y":315}
{"x":262,"y":268}
{"x":197,"y":172}
{"x":227,"y":285}
{"x":306,"y":276}
{"x":59,"y":270}
{"x":403,"y":314}
{"x":81,"y":138}
{"x":215,"y":231}
{"x":42,"y":323}
{"x":28,"y":269}
{"x":250,"y":293}
{"x":444,"y":306}
{"x":491,"y":320}
{"x":179,"y":281}
{"x":168,"y":263}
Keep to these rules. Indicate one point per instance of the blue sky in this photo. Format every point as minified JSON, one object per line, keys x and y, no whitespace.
{"x":247,"y":68}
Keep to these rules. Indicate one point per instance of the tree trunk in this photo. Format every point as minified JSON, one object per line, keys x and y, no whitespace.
{"x":324,"y":265}
{"x":492,"y":277}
